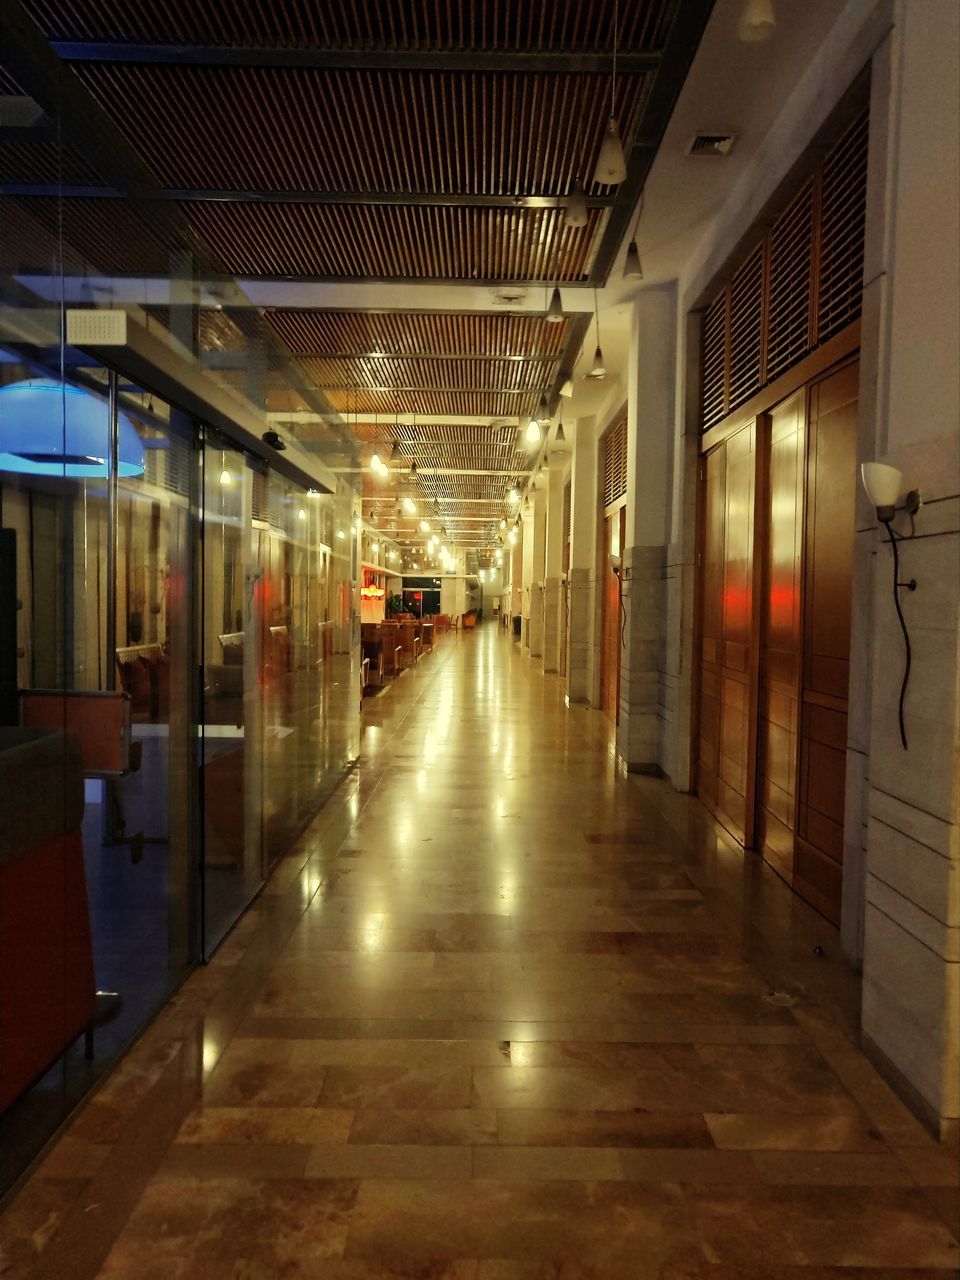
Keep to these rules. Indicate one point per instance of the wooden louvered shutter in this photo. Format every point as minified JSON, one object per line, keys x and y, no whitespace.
{"x":791,"y":260}
{"x":843,"y":202}
{"x":715,"y":361}
{"x":260,"y":502}
{"x":798,"y":287}
{"x":746,"y":329}
{"x":615,"y":463}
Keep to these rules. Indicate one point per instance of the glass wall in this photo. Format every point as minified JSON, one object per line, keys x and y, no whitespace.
{"x":179,"y":685}
{"x":98,"y":861}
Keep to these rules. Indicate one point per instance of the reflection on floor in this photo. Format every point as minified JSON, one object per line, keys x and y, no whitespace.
{"x":504,"y":1015}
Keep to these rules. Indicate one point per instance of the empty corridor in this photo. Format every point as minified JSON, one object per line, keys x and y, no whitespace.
{"x":506,"y":1014}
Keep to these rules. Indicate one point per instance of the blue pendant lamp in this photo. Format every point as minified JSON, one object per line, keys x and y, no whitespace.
{"x":47,"y":429}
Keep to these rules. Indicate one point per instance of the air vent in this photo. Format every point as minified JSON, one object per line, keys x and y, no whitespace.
{"x":711,"y":144}
{"x":507,"y":297}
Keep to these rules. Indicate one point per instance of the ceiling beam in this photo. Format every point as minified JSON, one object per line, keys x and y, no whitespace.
{"x":313,"y":59}
{"x":222,"y":195}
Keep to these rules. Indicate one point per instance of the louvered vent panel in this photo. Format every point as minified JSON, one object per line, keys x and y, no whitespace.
{"x":791,"y":261}
{"x":178,"y":458}
{"x":843,"y":217}
{"x":260,"y":504}
{"x":615,"y":463}
{"x":715,"y":360}
{"x":746,"y":328}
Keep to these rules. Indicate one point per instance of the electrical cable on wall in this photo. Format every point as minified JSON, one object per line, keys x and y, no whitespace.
{"x":910,"y":585}
{"x":884,"y":485}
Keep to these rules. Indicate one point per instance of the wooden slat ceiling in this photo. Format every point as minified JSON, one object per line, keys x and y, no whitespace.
{"x":386,"y":24}
{"x":293,"y":129}
{"x":388,"y":140}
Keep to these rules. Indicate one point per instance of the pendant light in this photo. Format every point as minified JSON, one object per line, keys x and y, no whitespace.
{"x":632,"y":266}
{"x":566,"y":388}
{"x":534,"y":434}
{"x":611,"y":163}
{"x":555,"y":310}
{"x":598,"y":369}
{"x":575,"y":210}
{"x":543,"y":411}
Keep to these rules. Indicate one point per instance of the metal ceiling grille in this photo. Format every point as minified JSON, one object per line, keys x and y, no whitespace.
{"x":446,"y":333}
{"x":293,"y":129}
{"x":799,"y":285}
{"x":44,"y":162}
{"x":466,"y":403}
{"x":415,"y":374}
{"x":102,"y":235}
{"x":388,"y":24}
{"x":400,"y":242}
{"x":615,"y":463}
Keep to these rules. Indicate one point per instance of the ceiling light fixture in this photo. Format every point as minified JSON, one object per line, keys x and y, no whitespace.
{"x":409,"y":506}
{"x":566,"y":388}
{"x":575,"y":212}
{"x":226,"y":477}
{"x":598,"y":369}
{"x":513,"y":496}
{"x":632,"y":266}
{"x":757,"y":21}
{"x":555,"y":309}
{"x":424,"y":526}
{"x":611,"y":163}
{"x":534,"y":434}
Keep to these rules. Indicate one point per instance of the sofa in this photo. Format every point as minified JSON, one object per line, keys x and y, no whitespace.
{"x":47,"y":985}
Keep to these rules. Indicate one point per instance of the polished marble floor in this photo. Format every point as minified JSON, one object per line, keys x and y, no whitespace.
{"x":504,"y":1014}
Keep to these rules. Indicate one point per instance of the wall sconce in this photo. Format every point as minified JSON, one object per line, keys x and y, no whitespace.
{"x":884,"y":486}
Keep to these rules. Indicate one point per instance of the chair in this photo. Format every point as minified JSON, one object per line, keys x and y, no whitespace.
{"x":409,"y":643}
{"x":47,"y":985}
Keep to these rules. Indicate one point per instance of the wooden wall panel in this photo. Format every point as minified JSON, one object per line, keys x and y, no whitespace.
{"x":779,"y":703}
{"x":613,"y":528}
{"x":711,"y":627}
{"x":727,"y":683}
{"x":828,"y":568}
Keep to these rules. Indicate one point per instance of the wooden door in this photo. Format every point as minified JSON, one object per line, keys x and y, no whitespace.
{"x":726,"y":764}
{"x":831,"y":472}
{"x":780,"y":610}
{"x":613,"y":530}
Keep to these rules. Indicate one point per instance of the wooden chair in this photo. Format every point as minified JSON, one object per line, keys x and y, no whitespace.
{"x":409,"y":643}
{"x":391,"y":648}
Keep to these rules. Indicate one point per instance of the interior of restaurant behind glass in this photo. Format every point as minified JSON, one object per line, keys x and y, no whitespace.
{"x":178,"y":695}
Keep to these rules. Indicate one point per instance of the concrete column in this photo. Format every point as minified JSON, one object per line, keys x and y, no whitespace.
{"x":650,"y":438}
{"x":526,"y":565}
{"x":552,"y":584}
{"x":582,"y":667}
{"x":539,"y":503}
{"x":515,"y":554}
{"x":910,"y":408}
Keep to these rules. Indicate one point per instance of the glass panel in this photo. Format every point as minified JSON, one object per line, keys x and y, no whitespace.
{"x":97,"y":917}
{"x":232,"y":693}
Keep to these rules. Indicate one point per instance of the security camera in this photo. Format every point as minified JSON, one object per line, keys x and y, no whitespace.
{"x":274,"y":440}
